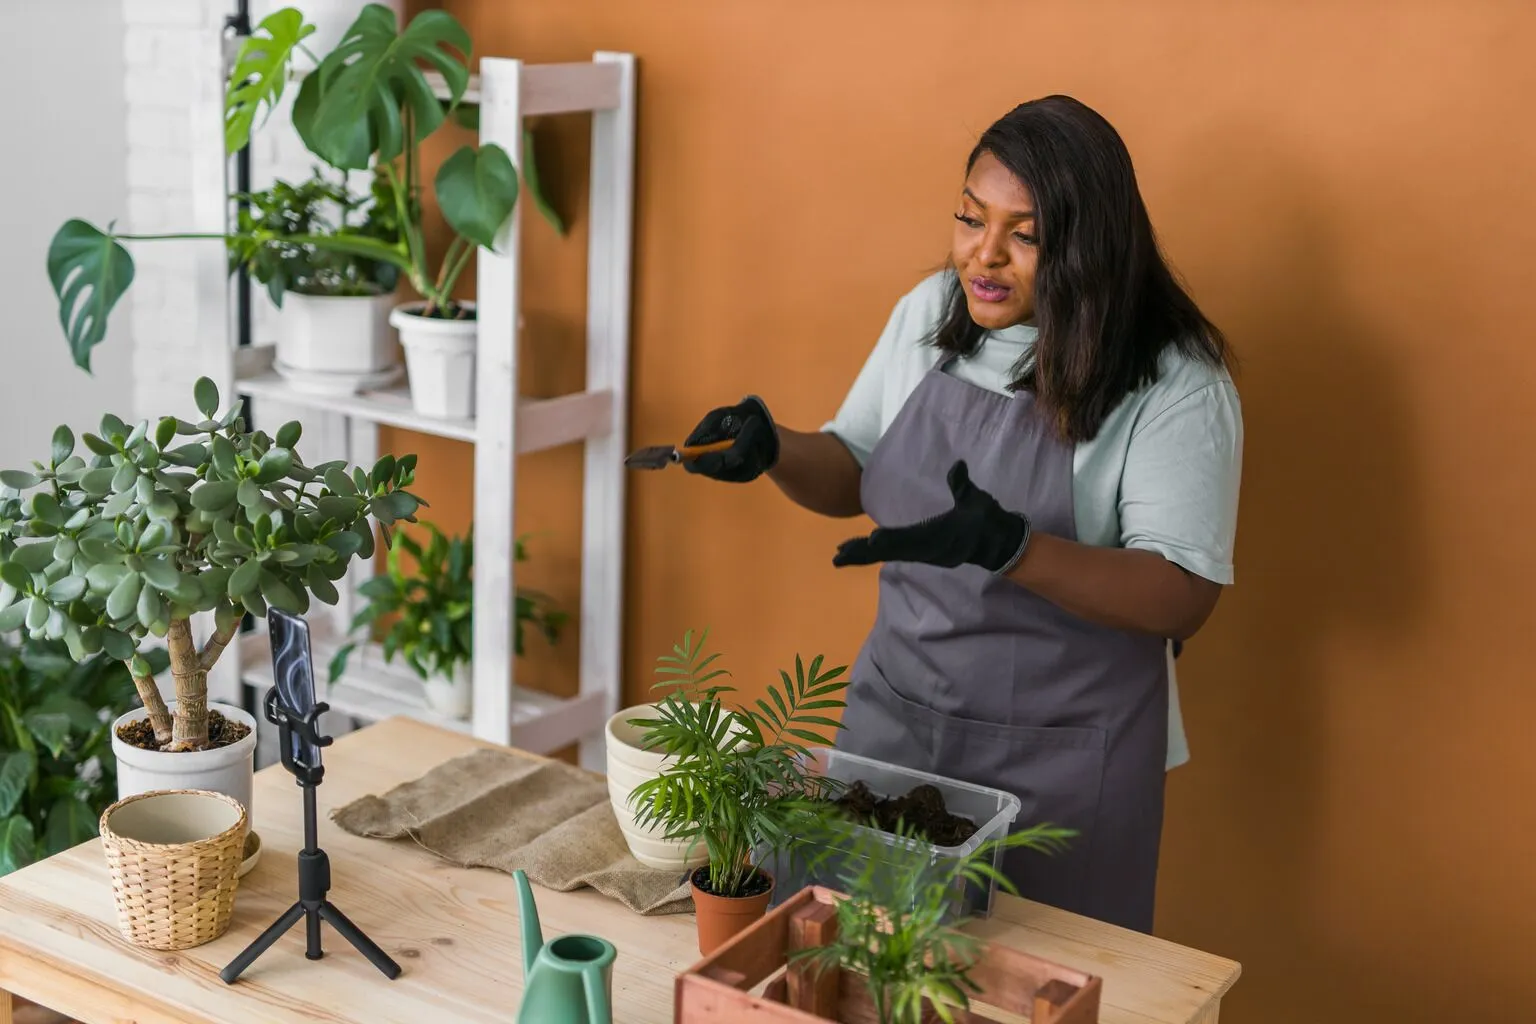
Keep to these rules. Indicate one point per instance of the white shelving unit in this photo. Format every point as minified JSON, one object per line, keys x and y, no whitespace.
{"x":506,"y":425}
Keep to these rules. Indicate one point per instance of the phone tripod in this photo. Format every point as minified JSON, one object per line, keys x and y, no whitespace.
{"x":314,"y":865}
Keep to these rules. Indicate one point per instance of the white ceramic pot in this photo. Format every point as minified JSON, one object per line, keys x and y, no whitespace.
{"x":440,"y":359}
{"x":227,"y":770}
{"x":337,"y":344}
{"x":450,"y":695}
{"x":628,"y":766}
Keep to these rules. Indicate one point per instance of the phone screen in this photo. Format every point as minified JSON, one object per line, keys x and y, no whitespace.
{"x":293,"y":673}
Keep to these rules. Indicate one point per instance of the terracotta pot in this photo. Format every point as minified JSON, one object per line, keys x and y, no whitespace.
{"x":721,"y":918}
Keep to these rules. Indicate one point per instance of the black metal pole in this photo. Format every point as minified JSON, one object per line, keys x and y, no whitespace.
{"x":240,"y":24}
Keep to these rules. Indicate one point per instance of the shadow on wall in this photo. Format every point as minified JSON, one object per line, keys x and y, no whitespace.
{"x":1328,"y":528}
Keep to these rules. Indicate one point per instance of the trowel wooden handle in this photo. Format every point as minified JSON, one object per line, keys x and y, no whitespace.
{"x":695,"y":450}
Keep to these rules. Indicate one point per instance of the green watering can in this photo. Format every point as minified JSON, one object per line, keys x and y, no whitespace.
{"x":567,"y":981}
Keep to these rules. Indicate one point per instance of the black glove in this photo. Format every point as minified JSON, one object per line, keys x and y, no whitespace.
{"x":755,"y":446}
{"x":976,"y":531}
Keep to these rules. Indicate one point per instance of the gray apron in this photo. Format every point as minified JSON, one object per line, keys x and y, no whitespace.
{"x":976,"y":678}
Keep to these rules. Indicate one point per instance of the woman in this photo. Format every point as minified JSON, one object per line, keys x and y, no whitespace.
{"x":1048,"y":440}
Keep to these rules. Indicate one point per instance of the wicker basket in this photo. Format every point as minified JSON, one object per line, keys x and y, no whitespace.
{"x":174,"y":857}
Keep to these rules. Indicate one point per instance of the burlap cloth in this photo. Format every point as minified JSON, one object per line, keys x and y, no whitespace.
{"x":495,"y":809}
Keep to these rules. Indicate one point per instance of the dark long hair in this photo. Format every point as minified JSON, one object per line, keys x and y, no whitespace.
{"x":1106,"y":302}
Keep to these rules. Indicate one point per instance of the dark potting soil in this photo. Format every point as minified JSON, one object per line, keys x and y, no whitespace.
{"x":922,"y":808}
{"x":466,"y":315}
{"x":756,"y":885}
{"x":221,"y":732}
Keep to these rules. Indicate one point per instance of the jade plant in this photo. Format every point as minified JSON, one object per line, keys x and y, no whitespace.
{"x":425,"y":614}
{"x":152,"y":524}
{"x":367,"y":104}
{"x":894,"y":930}
{"x":739,"y":778}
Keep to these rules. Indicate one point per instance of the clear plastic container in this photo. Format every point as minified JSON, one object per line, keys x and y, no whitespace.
{"x":992,"y":810}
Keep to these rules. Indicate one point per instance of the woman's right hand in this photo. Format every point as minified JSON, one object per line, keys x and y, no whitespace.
{"x":754,"y":442}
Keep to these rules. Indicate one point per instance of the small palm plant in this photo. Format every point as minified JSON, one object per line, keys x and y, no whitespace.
{"x":739,"y":778}
{"x":893,"y":932}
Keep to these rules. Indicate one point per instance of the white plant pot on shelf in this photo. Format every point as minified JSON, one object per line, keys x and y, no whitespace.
{"x":337,"y":344}
{"x":229,"y":770}
{"x":628,"y":767}
{"x":450,"y":695}
{"x":440,"y":359}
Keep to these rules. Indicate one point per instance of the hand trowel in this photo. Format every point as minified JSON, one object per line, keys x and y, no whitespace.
{"x":663,"y":455}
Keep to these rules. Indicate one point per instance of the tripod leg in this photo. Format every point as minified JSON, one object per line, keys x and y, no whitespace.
{"x":364,"y":944}
{"x":312,"y":949}
{"x":259,"y":945}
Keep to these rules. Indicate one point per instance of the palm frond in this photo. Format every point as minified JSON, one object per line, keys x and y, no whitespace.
{"x":738,"y":779}
{"x":894,"y":930}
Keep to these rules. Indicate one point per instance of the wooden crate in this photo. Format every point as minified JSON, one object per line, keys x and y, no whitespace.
{"x":720,"y":987}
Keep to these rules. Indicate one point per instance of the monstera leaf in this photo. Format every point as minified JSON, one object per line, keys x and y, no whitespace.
{"x":350,"y":107}
{"x":468,"y":116}
{"x":90,"y":271}
{"x":476,"y":190}
{"x":261,"y":71}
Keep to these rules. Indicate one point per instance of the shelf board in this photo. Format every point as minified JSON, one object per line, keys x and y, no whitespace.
{"x":542,"y":423}
{"x":390,"y":405}
{"x":551,"y":88}
{"x":373,"y":689}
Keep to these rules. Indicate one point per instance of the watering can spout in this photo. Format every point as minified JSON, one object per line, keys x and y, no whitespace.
{"x":528,"y":915}
{"x":568,"y":981}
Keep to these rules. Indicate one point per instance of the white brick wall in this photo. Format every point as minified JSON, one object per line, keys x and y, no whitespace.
{"x":182,"y":298}
{"x":177,"y":309}
{"x":171,"y":13}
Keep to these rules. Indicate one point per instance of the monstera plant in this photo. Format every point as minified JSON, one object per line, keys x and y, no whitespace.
{"x":153,"y":524}
{"x":367,"y":104}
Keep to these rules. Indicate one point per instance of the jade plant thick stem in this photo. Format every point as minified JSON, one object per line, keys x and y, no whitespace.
{"x":150,"y":526}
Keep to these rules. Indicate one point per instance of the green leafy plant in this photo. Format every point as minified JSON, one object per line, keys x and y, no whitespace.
{"x":316,"y":206}
{"x":892,"y":929}
{"x":686,"y":672}
{"x":129,"y":540}
{"x":366,"y":104}
{"x":738,"y":778}
{"x":57,"y":769}
{"x":431,"y":607}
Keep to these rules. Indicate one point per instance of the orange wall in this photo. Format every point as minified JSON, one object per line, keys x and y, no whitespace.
{"x":1348,"y":188}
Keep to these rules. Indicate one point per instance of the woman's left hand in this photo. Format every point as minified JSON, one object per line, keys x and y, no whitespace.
{"x":976,"y":530}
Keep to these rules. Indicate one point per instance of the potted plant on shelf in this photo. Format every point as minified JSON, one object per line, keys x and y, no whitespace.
{"x":333,"y":326}
{"x":117,"y":549}
{"x":738,"y":781}
{"x":57,"y":770}
{"x":367,"y":104}
{"x":426,"y":615}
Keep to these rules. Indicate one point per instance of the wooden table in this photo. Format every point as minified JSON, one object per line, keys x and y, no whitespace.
{"x":453,"y":930}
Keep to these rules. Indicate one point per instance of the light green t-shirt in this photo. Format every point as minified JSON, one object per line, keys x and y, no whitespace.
{"x":1162,"y":474}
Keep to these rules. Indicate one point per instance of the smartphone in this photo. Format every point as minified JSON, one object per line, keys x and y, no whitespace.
{"x":293,"y":673}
